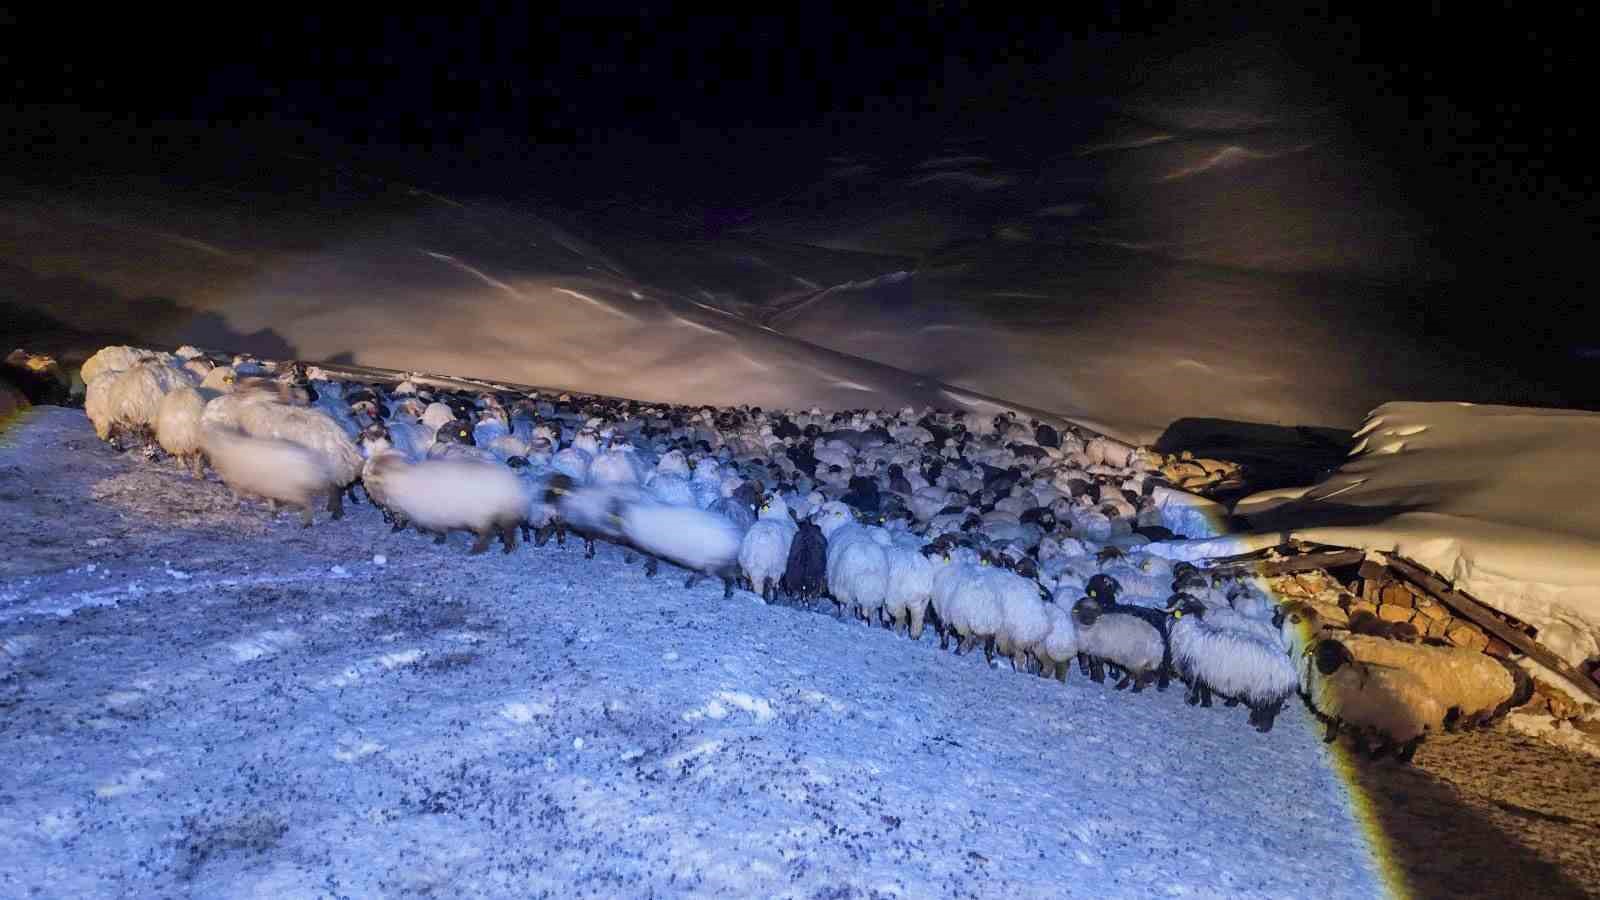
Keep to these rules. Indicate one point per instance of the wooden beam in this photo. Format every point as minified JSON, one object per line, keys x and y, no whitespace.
{"x":1481,"y":615}
{"x":1322,"y":559}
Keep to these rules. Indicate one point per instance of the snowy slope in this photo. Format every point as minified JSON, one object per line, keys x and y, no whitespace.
{"x":1500,"y":499}
{"x":202,"y":701}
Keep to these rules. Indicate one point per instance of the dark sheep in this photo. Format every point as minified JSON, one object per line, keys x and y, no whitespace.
{"x":806,"y":570}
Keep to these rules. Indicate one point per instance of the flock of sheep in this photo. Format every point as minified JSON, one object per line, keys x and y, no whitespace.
{"x":1031,"y":542}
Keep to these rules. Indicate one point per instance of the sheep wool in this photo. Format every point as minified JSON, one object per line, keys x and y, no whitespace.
{"x":764,"y":552}
{"x":440,"y":497}
{"x":1237,"y":664}
{"x":1060,"y":645}
{"x":1123,"y":639}
{"x":858,"y":571}
{"x":277,"y":471}
{"x":309,"y":428}
{"x":909,"y":588}
{"x":697,"y":540}
{"x":1473,"y":688}
{"x":1391,"y":704}
{"x":1023,"y":622}
{"x":178,"y":427}
{"x":115,"y":358}
{"x":129,"y":400}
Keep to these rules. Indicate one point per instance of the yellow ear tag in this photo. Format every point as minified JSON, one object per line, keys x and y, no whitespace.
{"x":1177,"y":614}
{"x":947,"y":557}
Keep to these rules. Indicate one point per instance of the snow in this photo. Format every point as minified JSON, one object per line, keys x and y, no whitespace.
{"x":535,"y":723}
{"x":1498,"y":499}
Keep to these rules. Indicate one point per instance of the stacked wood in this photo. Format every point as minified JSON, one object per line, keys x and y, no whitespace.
{"x":1185,"y":471}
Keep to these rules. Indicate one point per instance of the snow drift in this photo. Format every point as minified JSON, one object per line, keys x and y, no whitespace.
{"x":1500,"y":499}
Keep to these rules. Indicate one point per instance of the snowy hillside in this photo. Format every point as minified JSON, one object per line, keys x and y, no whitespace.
{"x":201,"y":700}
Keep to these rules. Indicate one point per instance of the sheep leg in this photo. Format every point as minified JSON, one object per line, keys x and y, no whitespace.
{"x":988,"y":650}
{"x":1142,"y":681}
{"x":1230,"y":702}
{"x":561,"y":535}
{"x":1408,"y":750}
{"x":1084,"y":663}
{"x":541,"y":535}
{"x":966,"y":643}
{"x":588,"y":547}
{"x":1062,"y":668}
{"x":650,"y":566}
{"x":727,"y":588}
{"x":944,"y":636}
{"x":351,"y":490}
{"x":914,"y":626}
{"x":305,"y":516}
{"x":1096,"y":670}
{"x":508,"y":537}
{"x":197,"y":465}
{"x":272,"y":506}
{"x":1164,"y":678}
{"x":527,"y":532}
{"x":336,"y":503}
{"x":766,"y":591}
{"x":1192,"y":696}
{"x":1333,"y":732}
{"x":1019,"y":662}
{"x":481,"y":544}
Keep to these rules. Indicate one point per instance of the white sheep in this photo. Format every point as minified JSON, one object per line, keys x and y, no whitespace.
{"x":1121,"y":638}
{"x":178,"y":427}
{"x":310,"y":428}
{"x":700,"y":541}
{"x":1474,"y":689}
{"x":1392,"y":705}
{"x":1060,"y":645}
{"x":128,"y":401}
{"x":1023,"y":621}
{"x":117,"y":358}
{"x":764,"y":552}
{"x":441,"y":497}
{"x":970,"y":607}
{"x":857,"y":575}
{"x":909,"y":589}
{"x":277,"y":471}
{"x":1234,"y":661}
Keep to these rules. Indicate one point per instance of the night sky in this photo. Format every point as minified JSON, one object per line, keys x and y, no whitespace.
{"x":708,"y":116}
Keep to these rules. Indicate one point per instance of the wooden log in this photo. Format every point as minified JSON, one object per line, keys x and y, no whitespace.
{"x":1470,"y":609}
{"x":1321,"y":559}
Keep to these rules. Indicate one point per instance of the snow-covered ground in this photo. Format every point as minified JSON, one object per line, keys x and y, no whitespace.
{"x":1499,"y":499}
{"x":201,"y":700}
